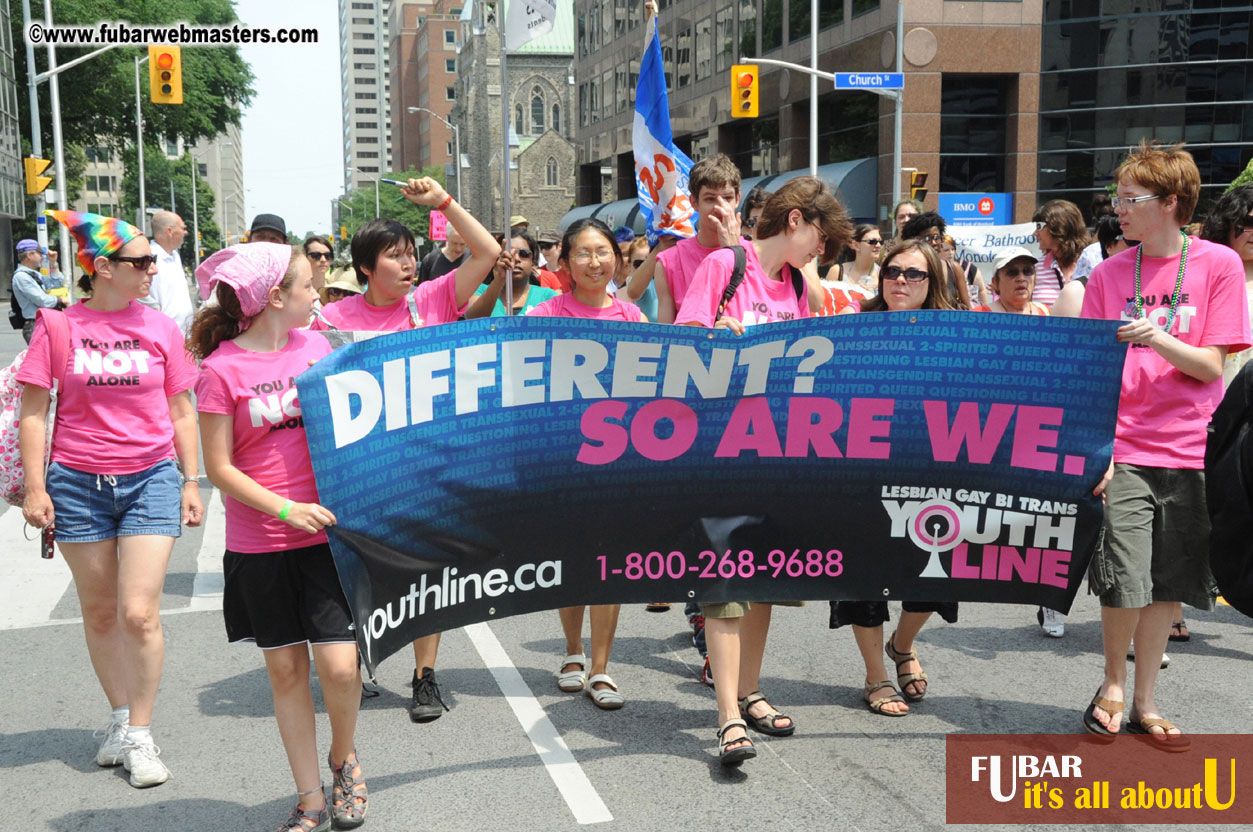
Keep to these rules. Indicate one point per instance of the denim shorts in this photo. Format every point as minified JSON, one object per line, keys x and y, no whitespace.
{"x":93,"y":507}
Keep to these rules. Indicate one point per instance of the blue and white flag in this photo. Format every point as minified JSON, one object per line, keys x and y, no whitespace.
{"x":661,"y":169}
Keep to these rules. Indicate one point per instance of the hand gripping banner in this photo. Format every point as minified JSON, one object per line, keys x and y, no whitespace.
{"x":495,"y":467}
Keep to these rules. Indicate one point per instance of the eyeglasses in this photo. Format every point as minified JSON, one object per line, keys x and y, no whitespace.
{"x":1040,"y":225}
{"x":604,"y":255}
{"x":635,"y":264}
{"x":822,"y":237}
{"x":141,"y":263}
{"x":751,"y":222}
{"x":1242,"y":226}
{"x":1119,"y":201}
{"x":524,"y":253}
{"x":933,"y":239}
{"x":912,"y":275}
{"x":319,"y":255}
{"x":1024,"y":271}
{"x":875,"y":242}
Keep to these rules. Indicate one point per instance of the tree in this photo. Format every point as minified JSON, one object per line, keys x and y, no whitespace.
{"x":357,"y":207}
{"x":159,"y":172}
{"x":1245,"y":177}
{"x":97,"y":97}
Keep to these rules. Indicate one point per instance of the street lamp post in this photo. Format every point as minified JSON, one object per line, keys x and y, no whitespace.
{"x":456,"y":140}
{"x":376,"y":191}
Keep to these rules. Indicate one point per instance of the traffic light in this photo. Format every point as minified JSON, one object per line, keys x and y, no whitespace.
{"x":918,"y":185}
{"x":744,"y":91}
{"x":165,"y":74}
{"x":35,"y":184}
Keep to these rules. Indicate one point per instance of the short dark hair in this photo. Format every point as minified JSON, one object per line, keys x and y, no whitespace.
{"x":1233,"y":208}
{"x":716,"y":172}
{"x":318,"y":238}
{"x":817,"y":204}
{"x":1107,"y":232}
{"x":374,"y":238}
{"x":920,"y":223}
{"x":578,"y":227}
{"x":756,"y":199}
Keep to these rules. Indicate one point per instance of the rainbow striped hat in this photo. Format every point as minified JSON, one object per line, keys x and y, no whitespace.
{"x":97,"y":235}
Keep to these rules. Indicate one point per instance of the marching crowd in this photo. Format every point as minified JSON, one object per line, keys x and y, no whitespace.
{"x":124,"y":412}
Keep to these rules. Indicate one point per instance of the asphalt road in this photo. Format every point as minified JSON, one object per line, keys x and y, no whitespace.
{"x":650,"y":766}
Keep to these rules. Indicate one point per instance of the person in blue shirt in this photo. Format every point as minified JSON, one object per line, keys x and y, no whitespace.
{"x":30,"y":288}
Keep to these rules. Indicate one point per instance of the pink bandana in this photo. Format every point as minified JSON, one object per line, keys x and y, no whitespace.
{"x":251,"y":269}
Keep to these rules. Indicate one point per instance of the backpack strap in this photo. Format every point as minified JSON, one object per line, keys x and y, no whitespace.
{"x":58,"y":327}
{"x":798,"y":284}
{"x":737,"y":277}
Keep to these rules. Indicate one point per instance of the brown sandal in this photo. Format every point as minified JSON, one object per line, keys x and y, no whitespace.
{"x":903,"y":680}
{"x":876,"y":705}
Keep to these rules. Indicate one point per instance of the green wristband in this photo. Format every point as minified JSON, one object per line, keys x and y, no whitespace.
{"x":287,"y":506}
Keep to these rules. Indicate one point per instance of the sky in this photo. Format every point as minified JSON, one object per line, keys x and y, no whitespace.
{"x":293,"y":163}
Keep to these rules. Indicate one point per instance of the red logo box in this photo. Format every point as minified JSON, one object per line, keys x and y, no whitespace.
{"x":1075,"y":778}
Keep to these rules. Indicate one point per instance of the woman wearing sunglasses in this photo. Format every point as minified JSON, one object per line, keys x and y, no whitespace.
{"x":112,"y":491}
{"x":519,"y":263}
{"x":1013,"y":283}
{"x":907,"y":282}
{"x":855,"y":278}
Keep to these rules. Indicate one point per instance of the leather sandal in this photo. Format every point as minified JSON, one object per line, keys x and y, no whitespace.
{"x":876,"y":705}
{"x":1166,"y":741}
{"x":767,"y":724}
{"x":349,"y":796}
{"x":572,"y":681}
{"x":1110,"y":706}
{"x":607,"y":698}
{"x":730,"y":757}
{"x":903,"y":680}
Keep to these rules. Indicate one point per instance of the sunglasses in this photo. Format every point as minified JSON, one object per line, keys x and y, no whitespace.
{"x":1039,"y":226}
{"x":911,"y":274}
{"x":319,"y":255}
{"x":1016,"y":271}
{"x":637,"y":263}
{"x":1241,"y":226}
{"x":141,"y":263}
{"x":524,"y":253}
{"x":875,"y":242}
{"x":933,"y":239}
{"x":339,"y":293}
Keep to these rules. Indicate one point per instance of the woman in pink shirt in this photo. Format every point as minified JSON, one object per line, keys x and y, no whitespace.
{"x":112,"y":490}
{"x":590,"y":254}
{"x":282,"y":591}
{"x":383,"y":257}
{"x":802,"y":221}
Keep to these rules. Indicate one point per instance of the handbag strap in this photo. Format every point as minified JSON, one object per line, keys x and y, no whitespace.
{"x":58,"y":327}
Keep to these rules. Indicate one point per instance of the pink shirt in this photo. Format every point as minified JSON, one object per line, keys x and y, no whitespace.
{"x":436,"y":300}
{"x":1049,"y":281}
{"x":259,"y":391}
{"x":112,"y":413}
{"x":759,"y":300}
{"x":1162,"y":412}
{"x":566,"y":306}
{"x":681,"y":261}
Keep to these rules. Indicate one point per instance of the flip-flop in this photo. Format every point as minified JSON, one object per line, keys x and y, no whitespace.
{"x":1179,"y":631}
{"x":1167,"y":741}
{"x":1090,"y":722}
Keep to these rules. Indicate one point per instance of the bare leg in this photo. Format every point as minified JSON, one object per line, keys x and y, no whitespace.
{"x":722,"y":636}
{"x":907,"y":629}
{"x":1151,"y":634}
{"x":340,"y":674}
{"x":424,"y":651}
{"x":1117,"y":627}
{"x":141,"y":575}
{"x":94,"y":567}
{"x":288,"y":668}
{"x":870,"y":645}
{"x":604,"y":623}
{"x":753,"y":634}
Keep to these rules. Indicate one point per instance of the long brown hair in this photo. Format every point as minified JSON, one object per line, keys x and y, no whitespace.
{"x":215,"y":324}
{"x":937,"y":286}
{"x":1064,"y":221}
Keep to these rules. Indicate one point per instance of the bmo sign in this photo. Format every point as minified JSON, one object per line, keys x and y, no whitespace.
{"x":977,"y":209}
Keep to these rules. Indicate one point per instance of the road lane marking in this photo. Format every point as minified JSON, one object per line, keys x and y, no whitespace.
{"x":32,"y":586}
{"x":579,"y":793}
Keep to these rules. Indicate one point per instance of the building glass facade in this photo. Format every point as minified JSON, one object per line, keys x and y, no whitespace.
{"x":1116,"y":71}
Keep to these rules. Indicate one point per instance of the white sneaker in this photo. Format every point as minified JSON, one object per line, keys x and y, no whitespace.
{"x":1052,"y":622}
{"x":1131,"y":656}
{"x":110,"y":752}
{"x":142,"y":760}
